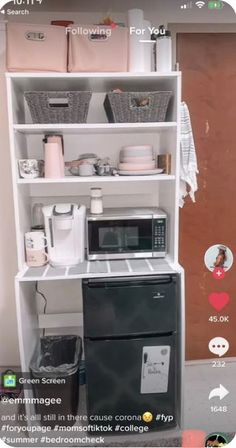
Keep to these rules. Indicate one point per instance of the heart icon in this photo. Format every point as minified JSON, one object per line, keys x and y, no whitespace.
{"x":219,"y":300}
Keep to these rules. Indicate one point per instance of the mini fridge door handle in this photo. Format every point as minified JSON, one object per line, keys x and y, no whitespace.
{"x":127,"y":281}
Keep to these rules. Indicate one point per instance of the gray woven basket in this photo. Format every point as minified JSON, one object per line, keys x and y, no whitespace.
{"x":123,"y":107}
{"x":58,"y":107}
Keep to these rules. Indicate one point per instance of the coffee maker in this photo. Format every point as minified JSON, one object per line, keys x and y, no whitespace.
{"x":65,"y":233}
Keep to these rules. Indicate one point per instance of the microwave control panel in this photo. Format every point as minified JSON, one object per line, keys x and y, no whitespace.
{"x":159,"y":235}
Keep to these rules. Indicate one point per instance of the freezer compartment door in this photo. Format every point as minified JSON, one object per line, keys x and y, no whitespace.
{"x":130,"y":306}
{"x":128,"y":377}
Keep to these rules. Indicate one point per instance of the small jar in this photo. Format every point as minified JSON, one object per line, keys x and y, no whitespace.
{"x":96,"y":204}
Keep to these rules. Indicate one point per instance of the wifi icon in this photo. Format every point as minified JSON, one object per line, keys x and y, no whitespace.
{"x":200,"y":4}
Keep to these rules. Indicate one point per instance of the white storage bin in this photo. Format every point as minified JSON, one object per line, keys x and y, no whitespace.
{"x":36,"y":48}
{"x":98,"y":48}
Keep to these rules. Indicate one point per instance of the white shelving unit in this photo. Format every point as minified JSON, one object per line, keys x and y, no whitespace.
{"x":105,"y":139}
{"x":97,"y":128}
{"x":95,"y":179}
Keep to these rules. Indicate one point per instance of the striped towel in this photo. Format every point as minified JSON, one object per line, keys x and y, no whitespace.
{"x":188,"y":158}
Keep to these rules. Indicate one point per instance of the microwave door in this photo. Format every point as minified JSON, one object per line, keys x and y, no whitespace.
{"x":109,"y":239}
{"x":132,"y":238}
{"x":124,"y":238}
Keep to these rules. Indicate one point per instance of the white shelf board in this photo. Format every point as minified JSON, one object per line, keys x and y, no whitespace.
{"x":99,"y":269}
{"x":96,"y":128}
{"x":110,"y":75}
{"x":96,"y":82}
{"x":96,"y":179}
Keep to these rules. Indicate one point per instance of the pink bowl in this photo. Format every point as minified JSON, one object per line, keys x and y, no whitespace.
{"x":138,"y":148}
{"x":137,"y":160}
{"x":137,"y":166}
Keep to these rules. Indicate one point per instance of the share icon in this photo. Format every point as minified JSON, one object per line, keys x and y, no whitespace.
{"x":219,"y":392}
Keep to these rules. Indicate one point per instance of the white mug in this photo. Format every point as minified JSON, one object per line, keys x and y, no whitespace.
{"x":31,"y":168}
{"x":35,"y":240}
{"x":86,"y":169}
{"x":35,"y":243}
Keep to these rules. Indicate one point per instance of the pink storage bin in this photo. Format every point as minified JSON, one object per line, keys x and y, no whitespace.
{"x":99,"y":48}
{"x":36,"y":48}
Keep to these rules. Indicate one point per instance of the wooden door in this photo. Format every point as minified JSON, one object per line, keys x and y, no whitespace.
{"x":208,"y":63}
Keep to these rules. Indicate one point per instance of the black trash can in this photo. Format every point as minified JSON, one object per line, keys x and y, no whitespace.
{"x":55,"y":373}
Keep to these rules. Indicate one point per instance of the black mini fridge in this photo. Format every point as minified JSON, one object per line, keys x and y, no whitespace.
{"x":131,"y":354}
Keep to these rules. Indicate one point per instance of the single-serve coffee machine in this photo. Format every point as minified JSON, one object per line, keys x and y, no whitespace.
{"x":65,"y":233}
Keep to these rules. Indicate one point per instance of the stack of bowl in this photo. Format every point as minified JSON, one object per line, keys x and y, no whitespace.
{"x":136,"y":159}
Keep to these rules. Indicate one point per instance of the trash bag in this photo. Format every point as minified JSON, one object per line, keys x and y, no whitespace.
{"x":57,"y":358}
{"x":57,"y":354}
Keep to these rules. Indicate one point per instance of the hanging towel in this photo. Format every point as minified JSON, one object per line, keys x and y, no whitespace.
{"x":188,"y":158}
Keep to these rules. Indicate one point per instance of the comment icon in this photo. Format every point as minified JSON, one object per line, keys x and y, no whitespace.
{"x":219,"y":346}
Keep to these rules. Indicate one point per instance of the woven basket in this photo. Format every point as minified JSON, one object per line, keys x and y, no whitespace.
{"x":58,"y":107}
{"x":124,"y":107}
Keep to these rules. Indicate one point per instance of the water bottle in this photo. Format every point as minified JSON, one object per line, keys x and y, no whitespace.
{"x":164,"y":51}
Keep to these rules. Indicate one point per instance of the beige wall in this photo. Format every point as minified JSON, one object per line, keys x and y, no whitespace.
{"x":158,"y":12}
{"x":8,"y":335}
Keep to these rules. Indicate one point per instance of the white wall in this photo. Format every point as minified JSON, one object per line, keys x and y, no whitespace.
{"x":161,"y":11}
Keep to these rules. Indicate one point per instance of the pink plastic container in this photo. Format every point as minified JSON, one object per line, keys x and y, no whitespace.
{"x":36,"y":48}
{"x":98,"y":48}
{"x":54,"y":166}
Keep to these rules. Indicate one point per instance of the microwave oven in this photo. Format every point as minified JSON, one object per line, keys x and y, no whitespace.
{"x":127,"y":233}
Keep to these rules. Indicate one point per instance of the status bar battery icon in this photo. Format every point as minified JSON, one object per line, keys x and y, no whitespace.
{"x":215,"y":4}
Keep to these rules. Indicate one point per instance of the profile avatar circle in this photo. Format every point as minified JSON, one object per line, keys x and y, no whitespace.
{"x":219,"y":257}
{"x":216,"y":440}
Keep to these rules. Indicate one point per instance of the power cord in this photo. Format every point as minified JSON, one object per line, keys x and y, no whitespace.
{"x":45,"y":301}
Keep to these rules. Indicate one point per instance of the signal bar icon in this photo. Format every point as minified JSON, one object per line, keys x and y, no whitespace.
{"x":187,"y":5}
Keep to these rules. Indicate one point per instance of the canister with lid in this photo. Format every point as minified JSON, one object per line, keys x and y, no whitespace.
{"x":96,"y":201}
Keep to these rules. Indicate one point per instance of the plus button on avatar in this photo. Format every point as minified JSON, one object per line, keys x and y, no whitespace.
{"x":218,"y":273}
